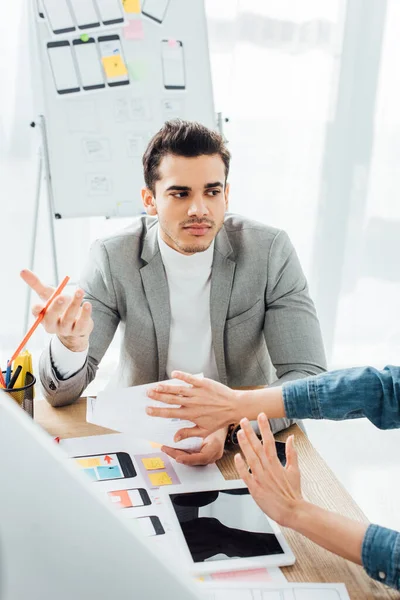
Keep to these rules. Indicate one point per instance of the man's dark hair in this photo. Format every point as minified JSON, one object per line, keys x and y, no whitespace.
{"x":182,"y":138}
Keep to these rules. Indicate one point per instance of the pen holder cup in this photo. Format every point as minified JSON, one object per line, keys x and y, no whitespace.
{"x":24,"y":395}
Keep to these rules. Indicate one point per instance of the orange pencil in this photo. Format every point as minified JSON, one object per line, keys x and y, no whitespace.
{"x":39,"y":318}
{"x":2,"y":382}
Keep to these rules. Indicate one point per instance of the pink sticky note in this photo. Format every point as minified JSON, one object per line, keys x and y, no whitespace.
{"x":247,"y":575}
{"x":172,"y":43}
{"x":134,"y":30}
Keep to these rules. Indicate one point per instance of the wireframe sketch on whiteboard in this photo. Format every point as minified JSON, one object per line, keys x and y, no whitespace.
{"x":96,"y":149}
{"x":59,"y":16}
{"x":89,"y":66}
{"x":69,"y":16}
{"x":98,"y":184}
{"x":122,"y":110}
{"x":85,"y":14}
{"x":155,"y":9}
{"x":172,"y":108}
{"x":173,"y":64}
{"x":135,"y":145}
{"x":113,"y":60}
{"x":62,"y":67}
{"x":111,"y":12}
{"x":140,"y":109}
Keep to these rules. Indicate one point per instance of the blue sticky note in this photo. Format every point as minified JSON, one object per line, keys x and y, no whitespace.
{"x":91,"y":473}
{"x":109,"y":472}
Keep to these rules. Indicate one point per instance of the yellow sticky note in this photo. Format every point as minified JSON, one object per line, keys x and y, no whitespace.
{"x":160,"y":478}
{"x":114,"y":66}
{"x":151,"y":464}
{"x":131,"y":6}
{"x":86,"y":463}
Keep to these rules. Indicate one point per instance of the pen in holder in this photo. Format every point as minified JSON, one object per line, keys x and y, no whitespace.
{"x":23,"y":395}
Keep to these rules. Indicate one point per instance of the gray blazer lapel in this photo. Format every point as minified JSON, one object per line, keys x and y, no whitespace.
{"x":223,"y":271}
{"x":157,"y":293}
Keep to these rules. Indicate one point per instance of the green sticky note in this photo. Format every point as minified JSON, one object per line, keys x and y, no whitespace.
{"x":137,"y":69}
{"x":85,"y":37}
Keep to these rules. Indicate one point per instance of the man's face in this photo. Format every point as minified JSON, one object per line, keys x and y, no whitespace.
{"x":190,"y":201}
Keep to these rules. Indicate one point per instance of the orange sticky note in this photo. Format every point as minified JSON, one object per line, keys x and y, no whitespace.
{"x":160,"y":478}
{"x":151,"y":464}
{"x":131,"y":6}
{"x":155,"y":445}
{"x":87,"y":463}
{"x":121,"y":497}
{"x":114,"y":66}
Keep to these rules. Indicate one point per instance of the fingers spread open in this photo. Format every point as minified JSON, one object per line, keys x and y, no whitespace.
{"x":83,"y":324}
{"x":267,"y":437}
{"x":291,"y":454}
{"x":251,"y":455}
{"x":43,"y":291}
{"x":71,"y":313}
{"x":54,"y":312}
{"x":243,"y":470}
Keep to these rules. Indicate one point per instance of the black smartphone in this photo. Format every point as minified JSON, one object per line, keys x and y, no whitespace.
{"x":104,"y":467}
{"x":280,"y":450}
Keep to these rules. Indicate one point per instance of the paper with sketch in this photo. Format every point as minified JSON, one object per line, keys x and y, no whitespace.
{"x":273,"y":591}
{"x":124,"y":410}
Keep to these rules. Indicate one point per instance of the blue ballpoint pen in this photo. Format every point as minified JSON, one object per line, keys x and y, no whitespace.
{"x":8,"y":373}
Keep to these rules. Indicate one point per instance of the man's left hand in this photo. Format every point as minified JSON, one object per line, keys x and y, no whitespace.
{"x":211,"y":450}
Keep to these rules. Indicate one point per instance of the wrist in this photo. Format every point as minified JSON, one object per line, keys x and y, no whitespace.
{"x":243,"y":406}
{"x":74,"y":343}
{"x":299,"y":514}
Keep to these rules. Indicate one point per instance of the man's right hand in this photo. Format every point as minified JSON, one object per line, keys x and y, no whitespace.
{"x":65,"y":317}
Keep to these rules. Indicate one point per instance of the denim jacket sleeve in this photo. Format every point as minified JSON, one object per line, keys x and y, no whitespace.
{"x":381,"y":555}
{"x":352,"y":394}
{"x":347,"y":394}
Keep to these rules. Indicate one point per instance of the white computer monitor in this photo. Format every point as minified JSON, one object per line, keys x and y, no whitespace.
{"x":58,"y":539}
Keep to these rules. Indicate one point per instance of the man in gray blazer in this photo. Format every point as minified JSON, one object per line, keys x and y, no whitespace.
{"x":191,"y":287}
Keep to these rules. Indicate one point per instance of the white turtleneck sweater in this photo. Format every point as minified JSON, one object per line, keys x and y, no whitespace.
{"x":190,"y":340}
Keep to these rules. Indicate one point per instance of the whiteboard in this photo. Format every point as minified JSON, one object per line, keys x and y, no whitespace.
{"x":110,"y":77}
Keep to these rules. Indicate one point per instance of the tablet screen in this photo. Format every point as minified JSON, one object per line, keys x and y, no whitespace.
{"x":224,"y":524}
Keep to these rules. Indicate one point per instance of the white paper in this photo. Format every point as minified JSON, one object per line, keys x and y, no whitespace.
{"x":116,"y":442}
{"x":273,"y":591}
{"x":125,"y":410}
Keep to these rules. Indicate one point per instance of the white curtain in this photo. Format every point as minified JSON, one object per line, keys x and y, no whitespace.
{"x":279,"y":70}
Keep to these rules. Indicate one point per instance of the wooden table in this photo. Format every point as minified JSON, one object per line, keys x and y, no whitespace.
{"x":320,"y":486}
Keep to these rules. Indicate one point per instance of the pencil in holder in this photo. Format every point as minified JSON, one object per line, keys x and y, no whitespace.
{"x":24,"y":395}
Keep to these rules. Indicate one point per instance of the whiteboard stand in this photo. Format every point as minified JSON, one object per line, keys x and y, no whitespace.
{"x":220,"y":124}
{"x":43,"y":170}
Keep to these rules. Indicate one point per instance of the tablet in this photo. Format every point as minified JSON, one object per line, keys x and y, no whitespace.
{"x":222,"y":528}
